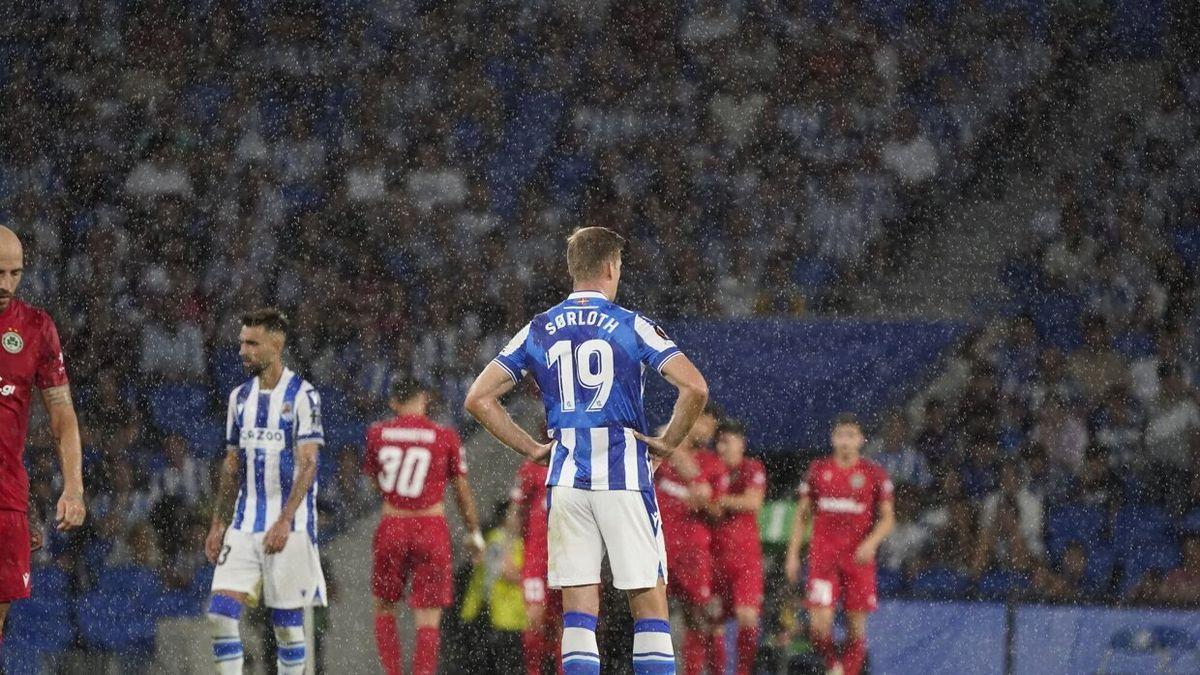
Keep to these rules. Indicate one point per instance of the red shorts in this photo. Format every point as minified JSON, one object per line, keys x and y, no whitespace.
{"x":533,"y":571}
{"x":835,"y":575}
{"x":416,"y":549}
{"x":14,"y":556}
{"x":689,"y":572}
{"x":738,"y":581}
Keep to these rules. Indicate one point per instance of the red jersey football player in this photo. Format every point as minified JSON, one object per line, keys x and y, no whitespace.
{"x":689,"y":509}
{"x":411,"y":459}
{"x":30,"y":358}
{"x":850,"y":501}
{"x":737,"y":549}
{"x":542,"y":606}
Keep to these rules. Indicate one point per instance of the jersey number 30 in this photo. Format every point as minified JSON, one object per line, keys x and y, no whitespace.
{"x":591,"y":362}
{"x":404,"y":471}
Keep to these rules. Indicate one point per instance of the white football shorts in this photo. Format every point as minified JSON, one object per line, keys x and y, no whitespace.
{"x":585,"y":525}
{"x":290,"y":579}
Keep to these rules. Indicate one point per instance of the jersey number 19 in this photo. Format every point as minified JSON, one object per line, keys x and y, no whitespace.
{"x":591,"y":362}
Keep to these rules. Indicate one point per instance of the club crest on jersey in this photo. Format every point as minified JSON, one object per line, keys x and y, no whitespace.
{"x":286,"y":412}
{"x":12,"y":341}
{"x":857,"y":481}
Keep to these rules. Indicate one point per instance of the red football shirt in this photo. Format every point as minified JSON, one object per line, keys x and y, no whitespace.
{"x":738,"y":530}
{"x":30,"y":358}
{"x":529,"y":495}
{"x":411,"y":458}
{"x":845,"y":501}
{"x":680,"y":523}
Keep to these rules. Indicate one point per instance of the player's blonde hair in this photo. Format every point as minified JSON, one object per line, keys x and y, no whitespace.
{"x":589,"y":248}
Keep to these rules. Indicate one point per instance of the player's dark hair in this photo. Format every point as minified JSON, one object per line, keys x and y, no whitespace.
{"x":269,"y":318}
{"x":588,"y":248}
{"x":732,"y":426}
{"x":847,"y":419}
{"x":404,"y":388}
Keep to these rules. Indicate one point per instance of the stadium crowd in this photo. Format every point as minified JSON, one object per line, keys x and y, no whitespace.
{"x":397,"y":177}
{"x":1059,"y":449}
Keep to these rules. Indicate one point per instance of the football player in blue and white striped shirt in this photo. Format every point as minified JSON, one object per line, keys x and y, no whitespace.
{"x":589,"y":357}
{"x":269,"y":534}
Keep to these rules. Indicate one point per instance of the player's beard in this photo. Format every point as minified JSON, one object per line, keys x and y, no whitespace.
{"x":254,"y":368}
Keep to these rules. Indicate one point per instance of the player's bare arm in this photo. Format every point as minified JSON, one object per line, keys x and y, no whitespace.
{"x":306,"y":472}
{"x":800,"y":525}
{"x":465,"y":498}
{"x":483,"y":403}
{"x":751,"y":501}
{"x":884,"y":523}
{"x":693,"y":394}
{"x":64,"y":424}
{"x":231,"y":466}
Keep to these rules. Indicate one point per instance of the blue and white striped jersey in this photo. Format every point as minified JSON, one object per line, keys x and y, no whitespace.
{"x":266,"y":427}
{"x":589,"y":357}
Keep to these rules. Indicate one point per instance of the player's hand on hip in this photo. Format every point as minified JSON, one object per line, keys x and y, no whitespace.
{"x":542,"y":456}
{"x":656,"y":444}
{"x":864,"y":554}
{"x":791,"y":569}
{"x":214,"y":541}
{"x":277,"y":537}
{"x":70,"y":512}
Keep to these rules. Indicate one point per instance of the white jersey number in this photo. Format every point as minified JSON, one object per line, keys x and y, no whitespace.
{"x":592,"y":364}
{"x":404,"y":471}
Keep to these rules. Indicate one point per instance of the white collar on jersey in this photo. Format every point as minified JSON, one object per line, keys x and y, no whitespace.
{"x":587,"y":294}
{"x":284,"y":377}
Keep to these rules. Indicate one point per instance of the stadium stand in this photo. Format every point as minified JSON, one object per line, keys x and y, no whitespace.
{"x":401,"y":186}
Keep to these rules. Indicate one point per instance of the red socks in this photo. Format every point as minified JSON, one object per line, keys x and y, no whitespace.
{"x":747,"y":648}
{"x":716,"y":653}
{"x":387,"y":643}
{"x":534,"y":642}
{"x":694,"y":652}
{"x":853,"y":655}
{"x":825,"y":649}
{"x":425,"y":661}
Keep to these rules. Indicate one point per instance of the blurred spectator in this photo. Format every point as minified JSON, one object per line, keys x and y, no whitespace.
{"x":1063,"y":434}
{"x":892,"y":450}
{"x":172,"y":347}
{"x":1173,"y":423}
{"x":1117,"y":427}
{"x":1181,"y":586}
{"x":1011,"y":510}
{"x":1096,"y":366}
{"x":180,"y":476}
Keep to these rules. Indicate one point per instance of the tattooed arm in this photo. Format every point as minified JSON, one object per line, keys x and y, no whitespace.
{"x":223,"y":505}
{"x":65,"y":427}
